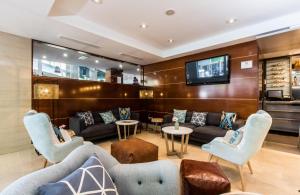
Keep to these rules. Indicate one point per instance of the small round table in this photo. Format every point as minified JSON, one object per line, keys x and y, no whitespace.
{"x":126,"y":124}
{"x":184,"y":132}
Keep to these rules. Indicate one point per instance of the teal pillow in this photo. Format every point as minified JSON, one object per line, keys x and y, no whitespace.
{"x":227,"y":120}
{"x":124,"y":113}
{"x":108,"y":117}
{"x":180,"y":115}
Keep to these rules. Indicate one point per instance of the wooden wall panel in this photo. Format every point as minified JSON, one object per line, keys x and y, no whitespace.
{"x":240,"y":95}
{"x":78,"y":95}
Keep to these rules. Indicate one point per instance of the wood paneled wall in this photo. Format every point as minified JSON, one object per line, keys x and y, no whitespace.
{"x":78,"y":95}
{"x":240,"y":95}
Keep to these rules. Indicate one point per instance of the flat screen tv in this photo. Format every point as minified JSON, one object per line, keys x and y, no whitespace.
{"x":213,"y":70}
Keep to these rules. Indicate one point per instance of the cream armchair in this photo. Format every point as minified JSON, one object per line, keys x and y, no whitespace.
{"x":254,"y":133}
{"x":42,"y":135}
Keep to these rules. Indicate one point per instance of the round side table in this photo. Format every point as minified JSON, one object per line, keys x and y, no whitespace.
{"x":184,"y":132}
{"x":126,"y":124}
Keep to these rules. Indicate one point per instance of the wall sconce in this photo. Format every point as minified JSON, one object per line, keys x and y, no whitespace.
{"x":146,"y":94}
{"x":45,"y":91}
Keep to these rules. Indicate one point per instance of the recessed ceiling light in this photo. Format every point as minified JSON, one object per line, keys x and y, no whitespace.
{"x":82,"y":58}
{"x":231,"y":20}
{"x":81,"y":52}
{"x":121,"y":65}
{"x":170,"y":12}
{"x":144,"y":26}
{"x":44,"y":57}
{"x":98,"y":1}
{"x":138,"y":69}
{"x":65,"y":55}
{"x":96,"y":61}
{"x":170,"y":40}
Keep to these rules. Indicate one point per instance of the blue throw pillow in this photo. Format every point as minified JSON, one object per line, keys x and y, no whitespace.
{"x":90,"y":178}
{"x":124,"y":113}
{"x":180,"y":115}
{"x":108,"y":117}
{"x":227,"y":120}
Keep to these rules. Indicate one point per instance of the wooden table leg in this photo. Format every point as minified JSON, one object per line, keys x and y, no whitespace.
{"x":135,"y":128}
{"x":181,"y":148}
{"x":119,"y":133}
{"x":167,"y":144}
{"x":172,"y":137}
{"x":125,"y":132}
{"x":186,"y":143}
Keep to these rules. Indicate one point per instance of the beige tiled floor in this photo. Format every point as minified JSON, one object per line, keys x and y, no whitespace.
{"x":276,"y":167}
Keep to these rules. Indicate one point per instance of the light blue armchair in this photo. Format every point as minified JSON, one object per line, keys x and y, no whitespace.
{"x":153,"y":178}
{"x":254,"y":133}
{"x":41,"y":132}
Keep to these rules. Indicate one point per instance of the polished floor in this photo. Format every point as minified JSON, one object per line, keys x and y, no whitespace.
{"x":276,"y":166}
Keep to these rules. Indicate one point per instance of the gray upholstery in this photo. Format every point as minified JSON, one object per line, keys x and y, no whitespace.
{"x":154,"y":178}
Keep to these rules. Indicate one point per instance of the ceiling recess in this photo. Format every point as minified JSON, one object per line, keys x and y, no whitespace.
{"x":130,"y":56}
{"x":79,"y":42}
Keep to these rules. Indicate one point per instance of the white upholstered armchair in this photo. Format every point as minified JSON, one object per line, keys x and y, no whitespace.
{"x":44,"y":139}
{"x":254,"y":133}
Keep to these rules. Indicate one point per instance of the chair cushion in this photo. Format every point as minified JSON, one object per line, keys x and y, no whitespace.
{"x":134,"y":150}
{"x":87,"y":117}
{"x":90,"y":178}
{"x":202,"y":178}
{"x":124,"y":113}
{"x":213,"y":118}
{"x":180,"y":115}
{"x":99,"y":130}
{"x":199,"y":118}
{"x":108,"y":117}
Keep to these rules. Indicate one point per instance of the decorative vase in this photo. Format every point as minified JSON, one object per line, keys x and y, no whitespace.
{"x":176,"y":125}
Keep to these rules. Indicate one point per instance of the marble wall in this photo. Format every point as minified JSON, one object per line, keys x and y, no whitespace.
{"x":15,"y":91}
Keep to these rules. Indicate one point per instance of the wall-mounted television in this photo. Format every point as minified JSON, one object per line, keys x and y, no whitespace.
{"x":214,"y":70}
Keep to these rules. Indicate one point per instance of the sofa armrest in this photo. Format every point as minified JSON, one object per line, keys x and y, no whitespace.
{"x":238,"y":124}
{"x":158,"y":177}
{"x":135,"y":116}
{"x":76,"y":124}
{"x":168,"y":118}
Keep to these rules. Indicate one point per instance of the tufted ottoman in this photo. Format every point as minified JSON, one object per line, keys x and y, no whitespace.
{"x":134,"y":150}
{"x":202,"y":178}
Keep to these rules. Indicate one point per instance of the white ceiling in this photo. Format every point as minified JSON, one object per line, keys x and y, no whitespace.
{"x":198,"y":25}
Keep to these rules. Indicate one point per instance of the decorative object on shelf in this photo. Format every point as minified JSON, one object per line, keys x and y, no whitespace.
{"x":45,"y":91}
{"x":146,"y":94}
{"x":176,"y":126}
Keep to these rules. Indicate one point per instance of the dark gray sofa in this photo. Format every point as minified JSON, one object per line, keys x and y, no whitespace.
{"x":207,"y":133}
{"x":99,"y":130}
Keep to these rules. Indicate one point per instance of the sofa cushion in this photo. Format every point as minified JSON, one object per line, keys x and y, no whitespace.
{"x":199,"y":118}
{"x":180,"y":115}
{"x":115,"y":111}
{"x":188,"y":117}
{"x":189,"y":125}
{"x":87,"y":117}
{"x":90,"y":178}
{"x":213,"y":118}
{"x":97,"y":117}
{"x":124,"y":113}
{"x":208,"y":132}
{"x":98,"y":130}
{"x":108,"y":117}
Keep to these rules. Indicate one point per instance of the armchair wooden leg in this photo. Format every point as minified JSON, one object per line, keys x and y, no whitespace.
{"x":250,"y":167}
{"x":240,"y":168}
{"x":45,"y":163}
{"x":210,"y":156}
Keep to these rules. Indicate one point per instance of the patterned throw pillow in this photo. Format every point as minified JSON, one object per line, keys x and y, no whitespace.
{"x":180,"y":115}
{"x":227,"y":120}
{"x":234,"y":137}
{"x":90,"y":178}
{"x":108,"y":117}
{"x":124,"y":113}
{"x":199,"y":118}
{"x":87,"y":117}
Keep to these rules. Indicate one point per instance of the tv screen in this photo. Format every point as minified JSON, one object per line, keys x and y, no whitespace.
{"x":208,"y":71}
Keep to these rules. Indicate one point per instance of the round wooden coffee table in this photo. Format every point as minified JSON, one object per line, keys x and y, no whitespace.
{"x":184,"y":132}
{"x":126,"y":124}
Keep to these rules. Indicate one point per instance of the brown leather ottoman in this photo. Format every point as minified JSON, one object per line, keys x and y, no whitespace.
{"x":134,"y":150}
{"x":202,"y":178}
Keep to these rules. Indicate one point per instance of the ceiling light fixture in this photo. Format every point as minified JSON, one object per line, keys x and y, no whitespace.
{"x":231,"y":20}
{"x":98,"y":1}
{"x":65,"y":55}
{"x":170,"y":40}
{"x":82,"y":58}
{"x":44,"y":57}
{"x":170,"y":12}
{"x":96,"y":61}
{"x":144,"y":26}
{"x":138,"y":69}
